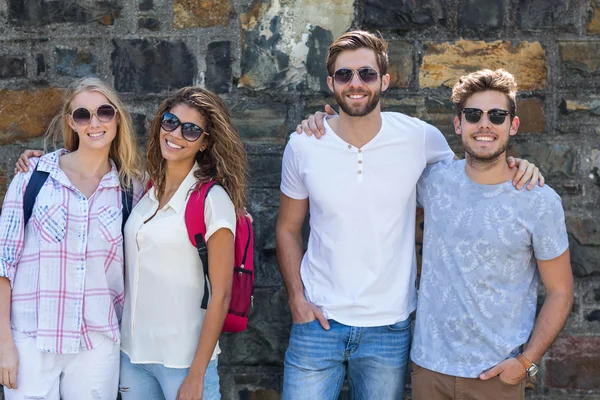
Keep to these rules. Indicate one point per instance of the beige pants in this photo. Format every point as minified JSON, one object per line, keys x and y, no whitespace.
{"x":430,"y":385}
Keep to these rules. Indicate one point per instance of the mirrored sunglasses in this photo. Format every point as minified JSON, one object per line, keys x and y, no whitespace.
{"x":190,"y":132}
{"x":105,"y":113}
{"x":344,"y":75}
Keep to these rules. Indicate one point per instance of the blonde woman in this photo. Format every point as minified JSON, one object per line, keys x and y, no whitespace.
{"x":61,"y":273}
{"x":169,"y":344}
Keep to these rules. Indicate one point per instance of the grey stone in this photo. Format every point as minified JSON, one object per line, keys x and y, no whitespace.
{"x":152,"y":24}
{"x":555,"y":160}
{"x":12,"y":67}
{"x":593,"y":316}
{"x":480,"y":17}
{"x":218,"y":67}
{"x":538,"y":14}
{"x":42,"y":12}
{"x":585,"y":260}
{"x":256,"y":120}
{"x":318,"y":47}
{"x":404,"y":15}
{"x":75,"y":63}
{"x":265,"y":171}
{"x":145,"y":5}
{"x":40,"y":64}
{"x":149,"y":66}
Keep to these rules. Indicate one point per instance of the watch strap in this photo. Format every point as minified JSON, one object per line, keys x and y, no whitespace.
{"x":525,"y":362}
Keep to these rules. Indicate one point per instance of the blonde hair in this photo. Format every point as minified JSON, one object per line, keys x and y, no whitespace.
{"x":355,"y":40}
{"x":124,"y":149}
{"x":499,"y":80}
{"x":224,"y":158}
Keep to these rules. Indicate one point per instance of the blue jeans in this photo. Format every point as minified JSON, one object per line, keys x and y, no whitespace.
{"x":157,"y":382}
{"x":375,"y":358}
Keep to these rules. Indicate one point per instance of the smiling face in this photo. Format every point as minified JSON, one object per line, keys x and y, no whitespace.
{"x":357,"y":98}
{"x":483,"y":140}
{"x":173,"y":146}
{"x":95,"y":134}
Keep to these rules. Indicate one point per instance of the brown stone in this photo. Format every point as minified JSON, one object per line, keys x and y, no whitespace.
{"x":574,"y":363}
{"x":400,"y":63}
{"x":201,"y":13}
{"x":26,"y":114}
{"x":3,"y":184}
{"x":580,"y":57}
{"x":586,"y":231}
{"x":261,"y":394}
{"x":444,"y":63}
{"x":594,"y":23}
{"x":531,"y":114}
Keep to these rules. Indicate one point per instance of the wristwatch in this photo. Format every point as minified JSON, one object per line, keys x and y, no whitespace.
{"x":530,"y":368}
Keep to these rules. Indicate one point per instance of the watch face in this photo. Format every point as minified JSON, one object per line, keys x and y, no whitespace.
{"x":533,"y":370}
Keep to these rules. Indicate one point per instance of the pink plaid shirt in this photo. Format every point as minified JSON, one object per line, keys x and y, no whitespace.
{"x":66,"y":266}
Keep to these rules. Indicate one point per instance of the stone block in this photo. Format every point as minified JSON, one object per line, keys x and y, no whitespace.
{"x":585,"y":259}
{"x":444,"y":63}
{"x":265,"y":340}
{"x":593,"y":316}
{"x":480,"y":17}
{"x":260,"y":394}
{"x":145,"y":5}
{"x":534,"y":15}
{"x":40,"y":64}
{"x":265,"y":171}
{"x":585,"y":230}
{"x":218,"y":67}
{"x":3,"y":184}
{"x":259,"y":121}
{"x":404,"y":15}
{"x":42,"y":12}
{"x":26,"y":114}
{"x":277,"y":41}
{"x":152,"y":24}
{"x":531,"y":114}
{"x":400,"y":56}
{"x":75,"y":62}
{"x":593,"y":27}
{"x":12,"y":67}
{"x":152,"y":66}
{"x":554,"y":160}
{"x":589,"y":291}
{"x":574,"y":363}
{"x":579,"y":114}
{"x":201,"y":13}
{"x":580,"y":63}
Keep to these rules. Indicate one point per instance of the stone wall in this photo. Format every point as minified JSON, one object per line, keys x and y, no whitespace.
{"x":266,"y":58}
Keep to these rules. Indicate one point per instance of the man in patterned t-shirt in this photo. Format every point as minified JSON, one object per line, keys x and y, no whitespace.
{"x":478,"y":290}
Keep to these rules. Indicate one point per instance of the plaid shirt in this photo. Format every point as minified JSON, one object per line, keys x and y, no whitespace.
{"x":66,"y":266}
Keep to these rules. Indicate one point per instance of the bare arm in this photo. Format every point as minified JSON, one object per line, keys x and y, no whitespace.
{"x":220,"y":271}
{"x":9,"y":357}
{"x":557,"y":278}
{"x":289,"y":254}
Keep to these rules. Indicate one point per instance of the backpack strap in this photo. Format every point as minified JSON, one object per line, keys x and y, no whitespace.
{"x":196,"y":227}
{"x":127,"y":204}
{"x":33,"y":188}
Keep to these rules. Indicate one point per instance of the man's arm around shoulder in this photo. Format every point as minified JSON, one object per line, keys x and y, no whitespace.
{"x":288,"y":235}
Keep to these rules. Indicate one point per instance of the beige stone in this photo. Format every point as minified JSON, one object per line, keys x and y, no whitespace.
{"x":531,"y":114}
{"x":444,"y":63}
{"x":26,"y":114}
{"x":400,"y":63}
{"x":574,"y":105}
{"x":201,"y":13}
{"x":581,"y":56}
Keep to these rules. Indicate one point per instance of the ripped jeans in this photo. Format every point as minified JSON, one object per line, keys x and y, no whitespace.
{"x":157,"y":382}
{"x":87,"y":375}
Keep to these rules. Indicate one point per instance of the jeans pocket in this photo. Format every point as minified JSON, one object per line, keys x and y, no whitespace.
{"x":416,"y":368}
{"x":400,"y":325}
{"x":300,"y":324}
{"x":510,"y":385}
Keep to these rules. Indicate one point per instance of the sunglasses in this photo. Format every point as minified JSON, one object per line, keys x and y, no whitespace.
{"x":344,"y":75}
{"x":496,"y":116}
{"x":105,"y":113}
{"x":190,"y":132}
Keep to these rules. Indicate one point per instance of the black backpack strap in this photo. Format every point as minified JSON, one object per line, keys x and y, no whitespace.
{"x":33,"y":188}
{"x":203,"y":253}
{"x":127,"y":203}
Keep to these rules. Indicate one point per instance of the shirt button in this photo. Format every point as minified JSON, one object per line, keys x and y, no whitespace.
{"x":360,"y":161}
{"x":349,"y":146}
{"x":359,"y":150}
{"x":360,"y":172}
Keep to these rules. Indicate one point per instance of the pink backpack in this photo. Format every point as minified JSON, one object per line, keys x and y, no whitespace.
{"x":243,"y":265}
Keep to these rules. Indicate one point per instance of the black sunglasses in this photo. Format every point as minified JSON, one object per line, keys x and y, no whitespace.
{"x":496,"y":116}
{"x":190,"y":132}
{"x":105,"y":113}
{"x":344,"y":75}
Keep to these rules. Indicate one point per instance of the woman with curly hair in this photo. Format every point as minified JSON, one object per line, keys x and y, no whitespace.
{"x":61,"y":270}
{"x":169,"y":344}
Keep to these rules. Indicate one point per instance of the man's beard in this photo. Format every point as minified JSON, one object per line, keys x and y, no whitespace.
{"x":483,"y":160}
{"x":357,"y":111}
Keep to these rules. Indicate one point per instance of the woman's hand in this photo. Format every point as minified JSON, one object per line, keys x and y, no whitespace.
{"x":9,"y":363}
{"x":192,"y":387}
{"x":22,"y":164}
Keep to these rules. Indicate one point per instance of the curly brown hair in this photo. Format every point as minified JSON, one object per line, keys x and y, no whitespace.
{"x":223,"y":160}
{"x":354,"y":40}
{"x":499,"y":80}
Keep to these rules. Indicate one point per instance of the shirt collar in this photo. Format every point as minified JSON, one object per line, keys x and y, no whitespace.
{"x":179,"y":199}
{"x":49,"y":163}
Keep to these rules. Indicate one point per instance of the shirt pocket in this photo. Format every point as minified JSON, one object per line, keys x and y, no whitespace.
{"x":110,"y":224}
{"x":51,"y":221}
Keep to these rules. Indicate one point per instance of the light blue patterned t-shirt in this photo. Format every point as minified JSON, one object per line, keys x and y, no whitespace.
{"x":478,"y":290}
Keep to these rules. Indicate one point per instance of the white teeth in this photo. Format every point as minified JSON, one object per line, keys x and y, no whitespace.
{"x":95,"y":135}
{"x":484,"y":139}
{"x":173,"y":145}
{"x":356,"y":96}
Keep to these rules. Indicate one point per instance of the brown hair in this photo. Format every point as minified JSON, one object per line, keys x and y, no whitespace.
{"x":124,"y":149}
{"x":499,"y":80}
{"x":354,"y":40}
{"x":224,"y":158}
